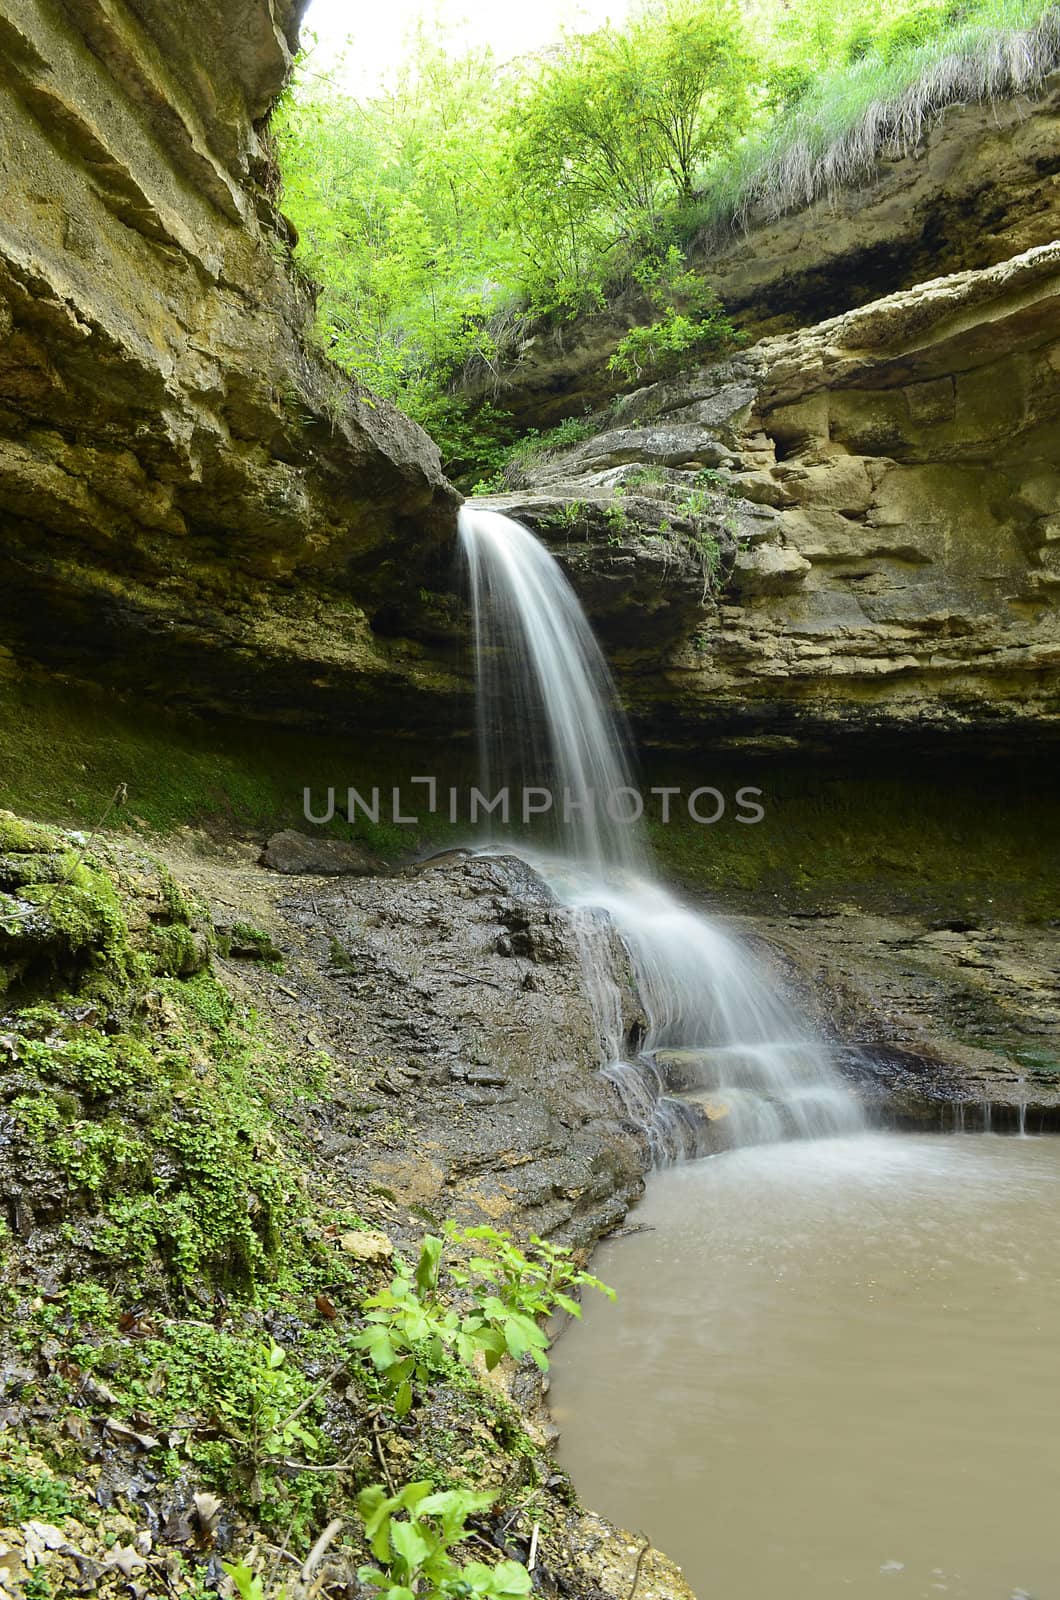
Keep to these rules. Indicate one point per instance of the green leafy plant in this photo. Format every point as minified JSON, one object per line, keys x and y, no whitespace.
{"x":411,"y":1535}
{"x":670,"y":343}
{"x":31,"y":1490}
{"x":278,"y":1405}
{"x":534,"y":1284}
{"x":408,"y":1329}
{"x":411,"y":1332}
{"x":248,"y":1585}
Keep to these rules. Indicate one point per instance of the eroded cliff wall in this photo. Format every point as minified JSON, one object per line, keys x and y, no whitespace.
{"x":192,"y":501}
{"x":854,"y":528}
{"x":979,"y":185}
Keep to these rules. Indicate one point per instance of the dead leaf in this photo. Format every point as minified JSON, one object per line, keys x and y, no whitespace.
{"x":208,"y":1508}
{"x":126,"y":1559}
{"x":97,"y":1392}
{"x":325,"y":1307}
{"x":146,"y":1441}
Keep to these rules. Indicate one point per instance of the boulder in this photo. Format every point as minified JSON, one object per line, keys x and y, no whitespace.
{"x":293,"y":852}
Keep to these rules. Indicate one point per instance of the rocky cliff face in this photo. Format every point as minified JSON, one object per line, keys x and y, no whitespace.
{"x":852,"y":527}
{"x":193,"y":502}
{"x":848,"y":527}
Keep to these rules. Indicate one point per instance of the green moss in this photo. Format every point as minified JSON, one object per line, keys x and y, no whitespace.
{"x":30,"y":1489}
{"x":38,"y":1115}
{"x":100,"y":1156}
{"x":24,"y":838}
{"x":82,"y":917}
{"x":205,"y":1000}
{"x":251,"y":943}
{"x":87,"y":1059}
{"x":175,"y":950}
{"x":145,"y":1091}
{"x":65,"y":755}
{"x":981,"y":840}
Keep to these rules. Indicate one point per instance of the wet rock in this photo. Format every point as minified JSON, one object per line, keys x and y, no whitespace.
{"x":941,"y":1026}
{"x":292,"y":852}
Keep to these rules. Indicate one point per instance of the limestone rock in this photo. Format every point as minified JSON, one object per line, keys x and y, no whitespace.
{"x":769,"y":570}
{"x":884,"y":531}
{"x":976,"y":188}
{"x":193,"y":502}
{"x":293,"y":852}
{"x":366,"y":1245}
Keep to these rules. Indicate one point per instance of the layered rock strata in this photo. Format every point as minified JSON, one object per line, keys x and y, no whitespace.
{"x":853,"y":527}
{"x":193,"y":501}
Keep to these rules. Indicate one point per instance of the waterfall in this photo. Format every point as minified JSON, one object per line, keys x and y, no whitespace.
{"x":726,"y":1060}
{"x":546,"y":706}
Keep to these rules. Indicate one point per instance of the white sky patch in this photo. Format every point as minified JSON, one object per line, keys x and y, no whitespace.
{"x":369,"y":35}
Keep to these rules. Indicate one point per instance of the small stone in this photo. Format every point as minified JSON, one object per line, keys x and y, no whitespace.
{"x":367,"y":1246}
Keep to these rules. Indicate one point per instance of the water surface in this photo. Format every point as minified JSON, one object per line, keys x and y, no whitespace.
{"x":833,"y":1370}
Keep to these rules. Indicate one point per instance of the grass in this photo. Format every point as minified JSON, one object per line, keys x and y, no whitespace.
{"x":878,"y":106}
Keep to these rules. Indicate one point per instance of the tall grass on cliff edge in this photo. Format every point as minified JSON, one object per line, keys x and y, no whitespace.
{"x":873,"y":108}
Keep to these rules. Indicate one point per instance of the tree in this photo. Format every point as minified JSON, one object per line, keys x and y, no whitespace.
{"x":395,"y":201}
{"x":616,"y":127}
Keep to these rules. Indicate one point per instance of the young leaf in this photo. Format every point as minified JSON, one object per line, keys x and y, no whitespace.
{"x":428,"y":1265}
{"x":409,"y":1543}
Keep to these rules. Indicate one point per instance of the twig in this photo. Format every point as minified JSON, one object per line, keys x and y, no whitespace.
{"x":531,"y":1561}
{"x":645,"y":1547}
{"x":381,"y":1457}
{"x":315,"y":1466}
{"x":282,"y":1554}
{"x":308,"y":1401}
{"x":320,"y":1549}
{"x":160,"y":1567}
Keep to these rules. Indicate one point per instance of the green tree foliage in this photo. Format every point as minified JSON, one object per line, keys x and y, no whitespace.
{"x":612,"y":133}
{"x":394,"y":199}
{"x":469,"y":197}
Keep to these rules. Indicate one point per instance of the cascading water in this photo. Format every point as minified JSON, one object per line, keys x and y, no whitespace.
{"x":723,"y":1048}
{"x":547,"y":709}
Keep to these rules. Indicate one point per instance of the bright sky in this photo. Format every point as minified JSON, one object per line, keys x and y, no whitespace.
{"x":376,"y":28}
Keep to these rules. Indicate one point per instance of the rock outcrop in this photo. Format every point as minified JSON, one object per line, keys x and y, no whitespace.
{"x":980,"y":185}
{"x":854,"y":527}
{"x":193,"y":501}
{"x":207,"y":1164}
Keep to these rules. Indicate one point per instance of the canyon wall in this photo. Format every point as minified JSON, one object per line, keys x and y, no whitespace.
{"x":861,"y":524}
{"x":193,"y":502}
{"x":979,"y":185}
{"x":850,"y":526}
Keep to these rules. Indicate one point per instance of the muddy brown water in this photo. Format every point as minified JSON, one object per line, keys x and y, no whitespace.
{"x":833,"y":1370}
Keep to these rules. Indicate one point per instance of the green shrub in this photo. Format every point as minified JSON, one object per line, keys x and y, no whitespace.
{"x":411,"y":1535}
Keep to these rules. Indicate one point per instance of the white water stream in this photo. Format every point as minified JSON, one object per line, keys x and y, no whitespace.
{"x":722,"y":1038}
